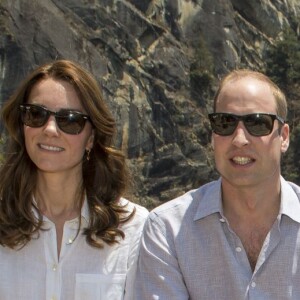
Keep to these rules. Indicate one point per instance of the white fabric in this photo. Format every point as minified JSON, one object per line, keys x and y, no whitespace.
{"x":81,"y":273}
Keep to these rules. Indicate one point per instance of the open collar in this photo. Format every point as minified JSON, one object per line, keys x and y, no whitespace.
{"x":210,"y":200}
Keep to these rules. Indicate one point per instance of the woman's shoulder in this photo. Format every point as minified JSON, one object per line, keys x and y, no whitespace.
{"x":141,"y":212}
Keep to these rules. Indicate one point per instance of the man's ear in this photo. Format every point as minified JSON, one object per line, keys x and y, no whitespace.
{"x":212,"y":141}
{"x":285,"y":138}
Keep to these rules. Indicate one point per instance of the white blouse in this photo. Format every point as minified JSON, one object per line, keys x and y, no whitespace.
{"x":82,"y":272}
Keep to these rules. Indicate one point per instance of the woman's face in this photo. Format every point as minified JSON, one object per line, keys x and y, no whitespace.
{"x":51,"y":149}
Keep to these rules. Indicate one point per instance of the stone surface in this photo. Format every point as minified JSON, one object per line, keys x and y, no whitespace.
{"x":154,"y":61}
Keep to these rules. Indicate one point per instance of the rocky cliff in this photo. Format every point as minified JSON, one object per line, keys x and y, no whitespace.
{"x":157,"y":61}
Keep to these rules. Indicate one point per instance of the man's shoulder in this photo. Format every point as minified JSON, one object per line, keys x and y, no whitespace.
{"x":289,"y":188}
{"x":187,"y":202}
{"x":295,"y":187}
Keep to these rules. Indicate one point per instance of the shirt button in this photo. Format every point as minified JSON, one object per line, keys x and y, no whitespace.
{"x":238,"y":249}
{"x":54,"y":267}
{"x":222,"y":220}
{"x":253,"y":284}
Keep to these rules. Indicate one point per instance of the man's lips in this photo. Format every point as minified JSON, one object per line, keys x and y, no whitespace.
{"x":242,"y":160}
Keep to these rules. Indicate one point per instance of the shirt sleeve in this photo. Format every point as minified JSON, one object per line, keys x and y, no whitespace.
{"x":158,"y":271}
{"x":135,"y":233}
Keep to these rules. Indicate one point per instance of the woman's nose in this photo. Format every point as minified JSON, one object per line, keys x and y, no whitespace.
{"x":50,"y":127}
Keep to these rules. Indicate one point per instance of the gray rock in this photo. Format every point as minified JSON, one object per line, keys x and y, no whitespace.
{"x":157,"y":62}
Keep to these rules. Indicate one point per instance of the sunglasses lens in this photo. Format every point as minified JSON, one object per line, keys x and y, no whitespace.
{"x":223,"y":124}
{"x":70,"y":122}
{"x":34,"y":116}
{"x":259,"y":124}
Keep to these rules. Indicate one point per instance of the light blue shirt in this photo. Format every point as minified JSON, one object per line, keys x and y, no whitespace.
{"x":188,"y":251}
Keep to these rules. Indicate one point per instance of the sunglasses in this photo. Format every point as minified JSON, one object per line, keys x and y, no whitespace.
{"x":258,"y":124}
{"x":68,"y":121}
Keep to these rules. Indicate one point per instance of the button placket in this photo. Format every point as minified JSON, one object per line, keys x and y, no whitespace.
{"x":52,"y":275}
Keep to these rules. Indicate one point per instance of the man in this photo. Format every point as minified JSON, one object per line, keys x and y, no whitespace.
{"x":238,"y":237}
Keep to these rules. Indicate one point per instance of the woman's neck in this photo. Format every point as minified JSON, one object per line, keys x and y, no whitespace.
{"x":58,"y":197}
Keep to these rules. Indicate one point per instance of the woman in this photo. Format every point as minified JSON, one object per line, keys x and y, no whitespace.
{"x":65,"y":230}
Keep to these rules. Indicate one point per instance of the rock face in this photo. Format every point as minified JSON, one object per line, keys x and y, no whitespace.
{"x":156,"y":60}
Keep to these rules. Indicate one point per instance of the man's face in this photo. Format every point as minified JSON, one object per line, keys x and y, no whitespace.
{"x":242,"y":159}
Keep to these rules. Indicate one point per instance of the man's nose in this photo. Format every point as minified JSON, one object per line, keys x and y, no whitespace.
{"x":240,"y":136}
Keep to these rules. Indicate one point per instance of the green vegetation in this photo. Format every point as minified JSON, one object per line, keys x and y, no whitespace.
{"x":283,"y":59}
{"x":2,"y":146}
{"x":201,"y":73}
{"x":283,"y":66}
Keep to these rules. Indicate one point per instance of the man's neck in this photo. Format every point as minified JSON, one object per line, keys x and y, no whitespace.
{"x":251,"y":201}
{"x":251,"y":213}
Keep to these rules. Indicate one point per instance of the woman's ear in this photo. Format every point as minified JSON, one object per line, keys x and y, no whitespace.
{"x":90,"y":142}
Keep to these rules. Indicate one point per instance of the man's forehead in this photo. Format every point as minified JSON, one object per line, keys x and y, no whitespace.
{"x":251,"y":86}
{"x":247,"y":94}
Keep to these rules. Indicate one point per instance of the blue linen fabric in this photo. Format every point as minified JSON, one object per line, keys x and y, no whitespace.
{"x":189,"y":252}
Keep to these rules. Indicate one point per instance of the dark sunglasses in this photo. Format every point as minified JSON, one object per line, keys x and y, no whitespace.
{"x":258,"y":124}
{"x":68,"y":121}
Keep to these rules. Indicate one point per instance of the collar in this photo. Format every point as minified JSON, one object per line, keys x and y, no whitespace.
{"x":210,"y":200}
{"x":85,"y":212}
{"x":290,"y":195}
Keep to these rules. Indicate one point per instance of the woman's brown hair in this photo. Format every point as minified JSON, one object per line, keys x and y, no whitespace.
{"x":105,"y":176}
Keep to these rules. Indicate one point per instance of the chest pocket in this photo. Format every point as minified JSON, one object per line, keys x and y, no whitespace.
{"x":99,"y":286}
